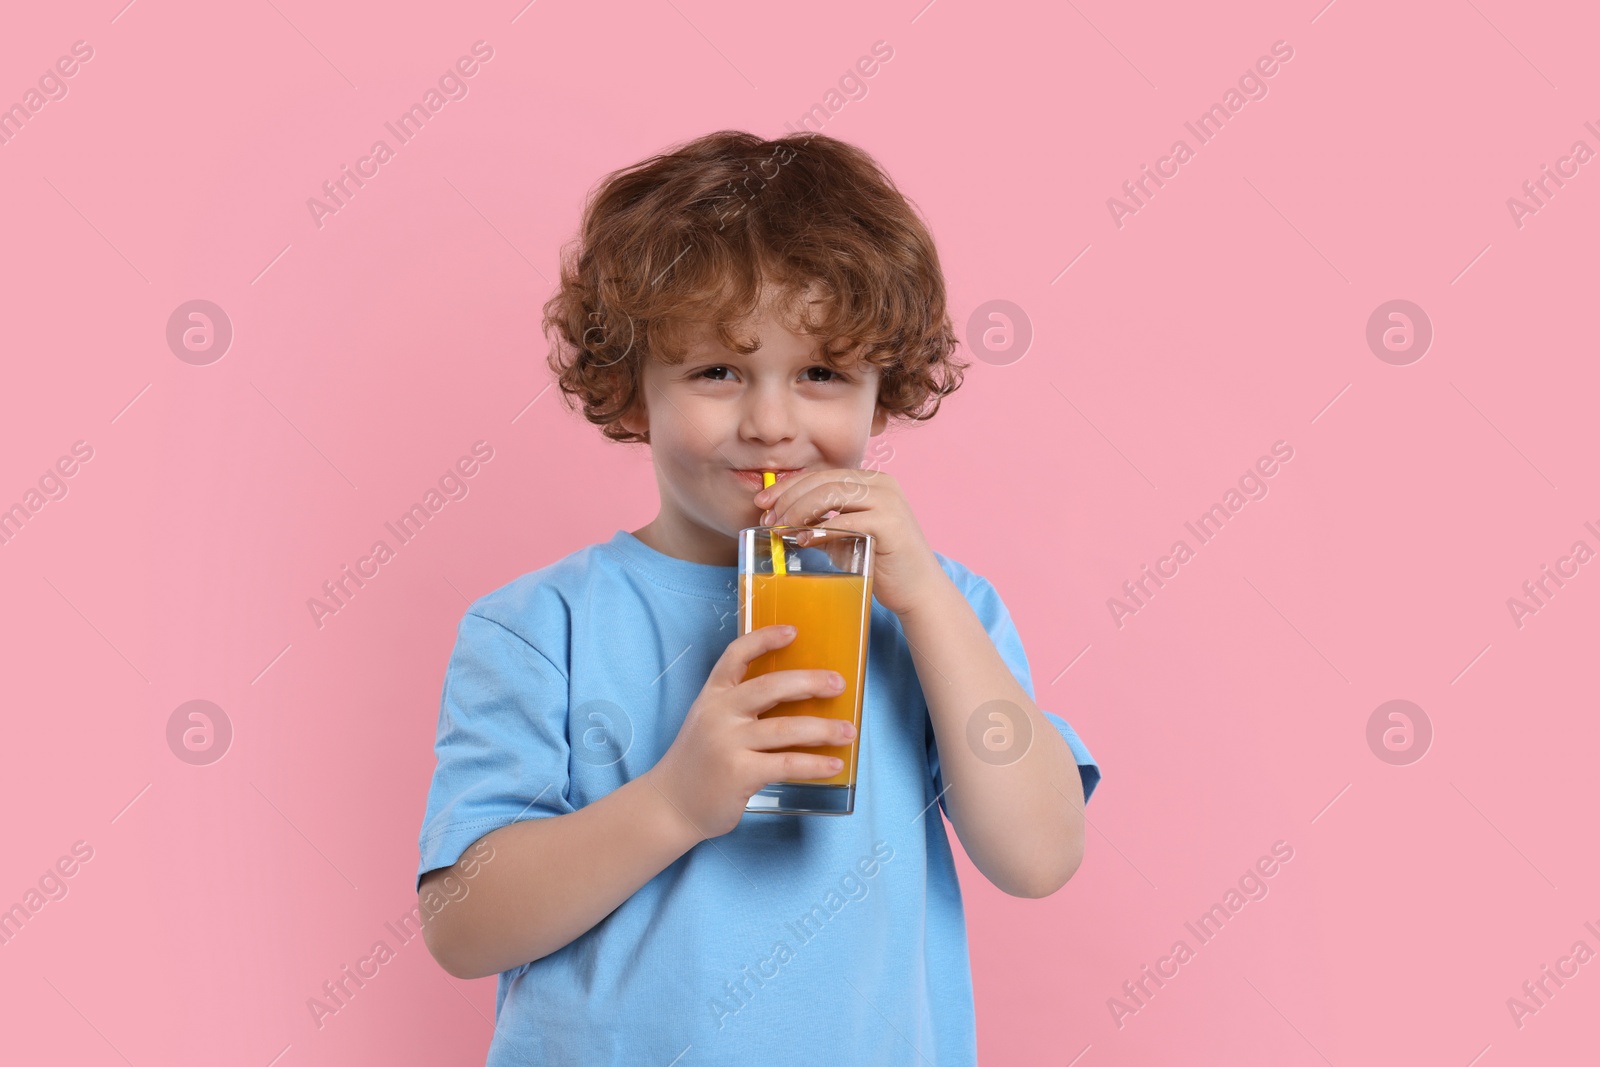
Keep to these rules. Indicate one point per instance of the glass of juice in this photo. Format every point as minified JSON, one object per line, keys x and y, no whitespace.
{"x":818,"y":580}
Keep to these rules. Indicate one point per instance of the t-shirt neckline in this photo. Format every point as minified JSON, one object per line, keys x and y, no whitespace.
{"x":682,"y":575}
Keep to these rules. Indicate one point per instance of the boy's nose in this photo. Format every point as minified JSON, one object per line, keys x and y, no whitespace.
{"x":767,"y":417}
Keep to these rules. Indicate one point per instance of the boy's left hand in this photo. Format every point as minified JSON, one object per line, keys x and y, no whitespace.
{"x":904,"y":570}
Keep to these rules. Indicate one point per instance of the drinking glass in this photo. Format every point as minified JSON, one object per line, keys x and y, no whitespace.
{"x":818,"y":580}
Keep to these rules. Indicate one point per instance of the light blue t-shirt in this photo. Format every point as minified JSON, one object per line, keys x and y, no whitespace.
{"x":792,"y":940}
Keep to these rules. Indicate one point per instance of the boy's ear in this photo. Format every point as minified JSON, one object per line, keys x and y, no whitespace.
{"x":636,"y":419}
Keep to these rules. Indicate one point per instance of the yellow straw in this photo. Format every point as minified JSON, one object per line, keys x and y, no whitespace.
{"x":767,"y":480}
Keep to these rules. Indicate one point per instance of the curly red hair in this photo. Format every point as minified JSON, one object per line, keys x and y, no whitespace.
{"x":698,"y":234}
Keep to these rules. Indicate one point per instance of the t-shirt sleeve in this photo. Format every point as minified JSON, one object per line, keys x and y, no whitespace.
{"x":502,"y":743}
{"x":991,"y":611}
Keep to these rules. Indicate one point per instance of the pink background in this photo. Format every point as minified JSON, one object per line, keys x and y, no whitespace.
{"x":1229,"y":313}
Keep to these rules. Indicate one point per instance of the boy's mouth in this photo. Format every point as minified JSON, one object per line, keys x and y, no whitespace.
{"x":752,"y":478}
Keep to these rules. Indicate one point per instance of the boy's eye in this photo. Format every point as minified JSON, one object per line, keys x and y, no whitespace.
{"x":719,"y":372}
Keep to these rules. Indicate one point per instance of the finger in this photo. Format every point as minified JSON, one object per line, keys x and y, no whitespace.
{"x":840,"y":496}
{"x":735,"y":660}
{"x":800,"y":509}
{"x":784,"y":490}
{"x":782,"y":766}
{"x":799,"y":731}
{"x":755,"y":695}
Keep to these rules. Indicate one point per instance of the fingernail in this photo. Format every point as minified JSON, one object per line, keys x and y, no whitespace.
{"x":836,"y":682}
{"x":766,"y":518}
{"x":849,"y":731}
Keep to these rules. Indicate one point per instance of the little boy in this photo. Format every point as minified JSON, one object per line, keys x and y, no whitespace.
{"x":739,"y":305}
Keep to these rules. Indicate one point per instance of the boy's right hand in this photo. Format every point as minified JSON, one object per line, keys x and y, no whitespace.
{"x":722,"y":755}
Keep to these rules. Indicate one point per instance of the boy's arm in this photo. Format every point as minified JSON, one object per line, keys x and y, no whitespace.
{"x":538,"y":884}
{"x":551,"y":879}
{"x":1021,"y":822}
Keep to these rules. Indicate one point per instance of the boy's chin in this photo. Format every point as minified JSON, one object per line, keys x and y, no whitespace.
{"x":728,"y":524}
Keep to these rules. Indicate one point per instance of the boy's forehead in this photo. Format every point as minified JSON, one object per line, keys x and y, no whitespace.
{"x":704,"y":344}
{"x":773,"y":331}
{"x":778,"y":322}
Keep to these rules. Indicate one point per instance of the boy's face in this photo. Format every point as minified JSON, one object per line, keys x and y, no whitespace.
{"x":719,"y":418}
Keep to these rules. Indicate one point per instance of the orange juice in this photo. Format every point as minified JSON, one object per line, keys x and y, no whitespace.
{"x":831,"y":613}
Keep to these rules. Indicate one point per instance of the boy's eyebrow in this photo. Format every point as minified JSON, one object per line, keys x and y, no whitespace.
{"x":703,"y":356}
{"x":818,"y":358}
{"x":705,"y":346}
